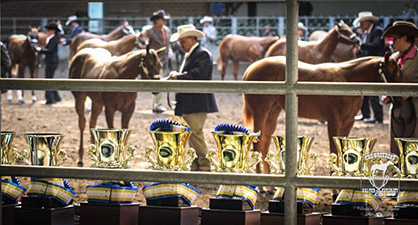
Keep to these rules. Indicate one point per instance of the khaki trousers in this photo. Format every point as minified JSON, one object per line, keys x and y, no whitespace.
{"x":196,"y":122}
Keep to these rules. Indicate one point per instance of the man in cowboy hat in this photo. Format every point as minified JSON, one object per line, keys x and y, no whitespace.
{"x":301,"y":31}
{"x":209,"y":40}
{"x":371,"y":45}
{"x":159,"y":36}
{"x":404,"y":116}
{"x":75,"y":29}
{"x":197,"y":65}
{"x":51,"y":60}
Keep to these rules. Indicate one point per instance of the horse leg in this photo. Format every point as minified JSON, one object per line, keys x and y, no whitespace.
{"x":334,"y":129}
{"x":96,"y":109}
{"x":80,"y":97}
{"x":269,"y":129}
{"x":34,"y":74}
{"x":13,"y":74}
{"x":127,"y":114}
{"x":236,"y":68}
{"x":110,"y":115}
{"x":223,"y":67}
{"x":21,"y":74}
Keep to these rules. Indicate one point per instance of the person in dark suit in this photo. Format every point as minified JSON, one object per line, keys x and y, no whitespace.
{"x":51,"y":60}
{"x":371,"y":45}
{"x":197,"y":65}
{"x":75,"y":29}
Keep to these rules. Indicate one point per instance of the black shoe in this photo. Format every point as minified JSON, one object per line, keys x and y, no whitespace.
{"x":50,"y":102}
{"x":369,"y":120}
{"x":57,"y":99}
{"x":159,"y":109}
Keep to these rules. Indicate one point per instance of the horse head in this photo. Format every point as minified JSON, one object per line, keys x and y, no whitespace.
{"x":141,"y":40}
{"x":346,"y":34}
{"x":389,"y":70}
{"x":33,"y":35}
{"x":150,"y":64}
{"x":127,"y":29}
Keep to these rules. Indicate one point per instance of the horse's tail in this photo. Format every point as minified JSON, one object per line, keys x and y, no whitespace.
{"x":247,"y":115}
{"x":219,"y":61}
{"x":221,"y":47}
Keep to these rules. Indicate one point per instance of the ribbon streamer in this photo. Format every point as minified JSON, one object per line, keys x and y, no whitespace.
{"x":308,"y":195}
{"x":246,"y":193}
{"x":56,"y":188}
{"x":11,"y":189}
{"x":359,"y":198}
{"x":408,"y":198}
{"x":111,"y":192}
{"x":166,"y":190}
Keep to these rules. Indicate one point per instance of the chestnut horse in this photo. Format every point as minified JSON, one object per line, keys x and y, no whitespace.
{"x":23,"y":54}
{"x":34,"y":33}
{"x":117,"y":47}
{"x":240,"y":48}
{"x":343,"y":52}
{"x":338,"y":111}
{"x":117,"y":33}
{"x":98,"y":63}
{"x":319,"y":51}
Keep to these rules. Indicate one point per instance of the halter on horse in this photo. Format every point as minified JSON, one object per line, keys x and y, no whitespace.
{"x":338,"y":111}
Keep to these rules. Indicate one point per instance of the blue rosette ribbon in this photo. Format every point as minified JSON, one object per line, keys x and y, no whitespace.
{"x":11,"y":188}
{"x":159,"y":190}
{"x":168,"y":126}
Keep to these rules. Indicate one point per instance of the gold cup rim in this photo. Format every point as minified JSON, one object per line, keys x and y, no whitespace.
{"x":169,"y":132}
{"x":353,"y":138}
{"x":108,"y":129}
{"x":44,"y":134}
{"x":299,"y":136}
{"x":407,"y":139}
{"x":8,"y":132}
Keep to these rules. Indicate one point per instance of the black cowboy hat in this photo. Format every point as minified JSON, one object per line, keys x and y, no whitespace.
{"x":401,"y":28}
{"x":52,"y":26}
{"x":159,"y":14}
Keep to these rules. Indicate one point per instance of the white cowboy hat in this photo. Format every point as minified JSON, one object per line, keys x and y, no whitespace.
{"x":187,"y":31}
{"x":301,"y":26}
{"x":71,"y":19}
{"x":206,"y":19}
{"x":365,"y":16}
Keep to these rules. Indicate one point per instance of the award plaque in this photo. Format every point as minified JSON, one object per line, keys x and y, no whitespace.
{"x":169,"y":203}
{"x":353,"y":206}
{"x":306,"y":197}
{"x":110,"y":202}
{"x":48,"y":200}
{"x":233,"y":204}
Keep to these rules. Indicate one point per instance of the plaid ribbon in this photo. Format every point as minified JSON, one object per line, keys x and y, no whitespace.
{"x":11,"y":189}
{"x":168,"y":125}
{"x":408,"y":198}
{"x":166,"y":190}
{"x":359,"y":198}
{"x":246,"y":193}
{"x":111,"y":192}
{"x":308,"y":195}
{"x":55,"y":188}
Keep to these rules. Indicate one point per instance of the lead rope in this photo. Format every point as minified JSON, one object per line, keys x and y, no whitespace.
{"x":383,"y":76}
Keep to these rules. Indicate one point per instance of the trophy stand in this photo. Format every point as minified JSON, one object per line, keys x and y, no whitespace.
{"x":169,"y":203}
{"x":49,"y":199}
{"x":110,"y":202}
{"x":233,"y":204}
{"x":345,"y":211}
{"x":275,"y":214}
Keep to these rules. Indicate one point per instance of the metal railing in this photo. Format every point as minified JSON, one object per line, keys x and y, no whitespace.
{"x":291,"y":88}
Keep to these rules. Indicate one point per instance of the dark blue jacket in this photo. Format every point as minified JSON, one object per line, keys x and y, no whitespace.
{"x":73,"y":34}
{"x":51,"y":50}
{"x":375,"y":45}
{"x":198,"y":67}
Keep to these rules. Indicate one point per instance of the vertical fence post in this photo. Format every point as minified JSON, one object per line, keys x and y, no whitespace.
{"x":281,"y":25}
{"x":1,"y":156}
{"x":290,"y":211}
{"x":234,"y":25}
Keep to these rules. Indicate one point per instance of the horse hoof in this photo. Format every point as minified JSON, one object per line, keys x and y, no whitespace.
{"x":34,"y":100}
{"x":9,"y":101}
{"x":80,"y":164}
{"x":21,"y":102}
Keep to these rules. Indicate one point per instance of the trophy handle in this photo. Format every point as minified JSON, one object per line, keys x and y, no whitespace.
{"x":256,"y":156}
{"x":313,"y":160}
{"x":15,"y":155}
{"x":131,"y":154}
{"x":273,"y":165}
{"x":191,"y":153}
{"x":92,"y":149}
{"x":336,"y":171}
{"x":148,"y":152}
{"x":24,"y":156}
{"x":63,"y":156}
{"x":214,"y":165}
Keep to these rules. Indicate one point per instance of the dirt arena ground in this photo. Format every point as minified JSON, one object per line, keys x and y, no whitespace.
{"x":62,"y":118}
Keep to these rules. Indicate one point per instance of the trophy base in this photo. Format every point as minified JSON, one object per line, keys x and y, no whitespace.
{"x":160,"y":215}
{"x":405,"y":212}
{"x":270,"y":218}
{"x":329,"y":219}
{"x":229,"y":204}
{"x":39,"y":202}
{"x":44,"y":216}
{"x":170,"y":201}
{"x":393,"y":221}
{"x":109,"y":214}
{"x":230,"y":217}
{"x":346,"y":210}
{"x":8,"y":210}
{"x":278,"y":207}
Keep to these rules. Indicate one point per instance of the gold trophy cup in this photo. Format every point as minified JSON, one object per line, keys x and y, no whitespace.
{"x":110,"y":148}
{"x":408,"y":148}
{"x":234,"y":153}
{"x":44,"y":149}
{"x":170,"y":151}
{"x":350,"y":160}
{"x":8,"y":153}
